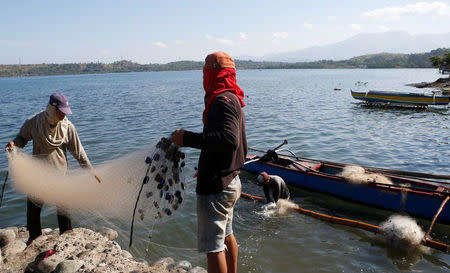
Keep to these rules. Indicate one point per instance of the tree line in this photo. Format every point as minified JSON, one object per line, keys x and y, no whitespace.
{"x":381,"y":60}
{"x":441,"y":62}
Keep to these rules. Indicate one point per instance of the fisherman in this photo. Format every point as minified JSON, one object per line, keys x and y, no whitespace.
{"x":53,"y":135}
{"x":274,"y":187}
{"x":223,"y":147}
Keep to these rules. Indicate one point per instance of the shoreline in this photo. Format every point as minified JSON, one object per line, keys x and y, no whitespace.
{"x":77,"y":250}
{"x":442,"y":84}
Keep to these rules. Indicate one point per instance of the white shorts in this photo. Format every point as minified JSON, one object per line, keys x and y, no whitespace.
{"x":215,"y":217}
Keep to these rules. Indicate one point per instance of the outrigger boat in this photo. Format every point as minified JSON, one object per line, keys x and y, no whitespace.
{"x":398,"y":98}
{"x":414,"y":193}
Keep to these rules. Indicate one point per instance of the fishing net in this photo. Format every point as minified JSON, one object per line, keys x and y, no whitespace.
{"x":282,"y":207}
{"x":147,"y":185}
{"x":402,"y":232}
{"x":357,"y":175}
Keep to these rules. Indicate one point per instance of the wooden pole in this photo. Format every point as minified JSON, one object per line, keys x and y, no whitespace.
{"x":436,"y":216}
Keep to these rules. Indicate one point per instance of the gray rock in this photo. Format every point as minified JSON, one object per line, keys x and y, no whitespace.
{"x":142,"y":261}
{"x":6,"y":236}
{"x":15,"y":229}
{"x":22,"y":229}
{"x":68,"y":266}
{"x":46,"y":231}
{"x":13,"y":248}
{"x":198,"y":269}
{"x":184,"y":265}
{"x":49,"y":264}
{"x":127,"y":254}
{"x":90,"y":246}
{"x":165,"y":261}
{"x":108,"y":233}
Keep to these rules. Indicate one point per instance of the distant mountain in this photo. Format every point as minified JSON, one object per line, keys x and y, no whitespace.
{"x":363,"y":44}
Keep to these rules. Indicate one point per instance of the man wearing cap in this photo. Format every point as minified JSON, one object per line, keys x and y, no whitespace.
{"x":274,"y":187}
{"x":223,"y":147}
{"x":53,"y":135}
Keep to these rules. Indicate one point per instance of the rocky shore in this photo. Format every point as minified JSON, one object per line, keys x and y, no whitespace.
{"x":442,"y":84}
{"x":78,"y":250}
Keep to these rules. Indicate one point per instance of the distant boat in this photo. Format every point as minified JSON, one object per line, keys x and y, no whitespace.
{"x":337,"y":89}
{"x":398,"y":98}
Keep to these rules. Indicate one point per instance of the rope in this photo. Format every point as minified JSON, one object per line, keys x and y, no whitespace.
{"x":135,"y":206}
{"x":3,"y":189}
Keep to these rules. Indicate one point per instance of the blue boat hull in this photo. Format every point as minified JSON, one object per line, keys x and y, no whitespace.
{"x":424,"y":204}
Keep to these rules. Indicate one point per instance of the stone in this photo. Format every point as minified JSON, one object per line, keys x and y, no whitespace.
{"x":68,"y":266}
{"x":166,"y":261}
{"x":6,"y":236}
{"x":46,"y":231}
{"x":90,"y":246}
{"x":108,"y":233}
{"x":184,"y":265}
{"x":142,"y":261}
{"x":15,"y":229}
{"x":127,"y":254}
{"x":198,"y":269}
{"x":14,"y":248}
{"x":49,"y":264}
{"x":23,"y":229}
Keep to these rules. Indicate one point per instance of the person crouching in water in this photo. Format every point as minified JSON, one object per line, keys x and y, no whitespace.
{"x":274,"y":187}
{"x":53,"y":135}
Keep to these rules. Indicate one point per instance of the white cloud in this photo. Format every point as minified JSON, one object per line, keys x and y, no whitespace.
{"x":104,"y":52}
{"x":383,"y":28}
{"x":308,"y":26}
{"x":355,"y":26}
{"x":177,"y":42}
{"x":160,"y":44}
{"x":280,"y":35}
{"x":243,"y":35}
{"x":420,"y":8}
{"x":224,"y":41}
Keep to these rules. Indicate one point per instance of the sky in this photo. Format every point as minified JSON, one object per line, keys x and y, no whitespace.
{"x":159,"y":31}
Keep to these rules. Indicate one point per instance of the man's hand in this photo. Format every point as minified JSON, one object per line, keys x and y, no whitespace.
{"x":9,"y":146}
{"x":177,"y":137}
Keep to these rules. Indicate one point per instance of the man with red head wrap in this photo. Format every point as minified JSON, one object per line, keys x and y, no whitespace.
{"x":223,"y":147}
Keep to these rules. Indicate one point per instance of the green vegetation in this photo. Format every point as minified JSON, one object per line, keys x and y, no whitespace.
{"x":382,"y":60}
{"x":437,"y":61}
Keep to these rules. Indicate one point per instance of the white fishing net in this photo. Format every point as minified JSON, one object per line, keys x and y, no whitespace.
{"x":146,"y":185}
{"x":357,"y":175}
{"x":402,"y":232}
{"x":282,"y":207}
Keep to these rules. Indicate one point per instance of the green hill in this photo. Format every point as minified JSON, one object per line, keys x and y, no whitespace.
{"x":381,"y":60}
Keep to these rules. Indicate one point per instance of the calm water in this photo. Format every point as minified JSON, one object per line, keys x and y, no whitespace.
{"x":115,"y":114}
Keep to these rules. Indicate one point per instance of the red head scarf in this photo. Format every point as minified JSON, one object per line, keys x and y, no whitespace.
{"x":219,"y":75}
